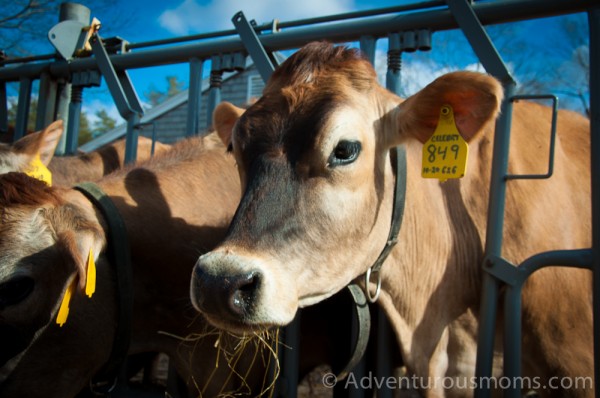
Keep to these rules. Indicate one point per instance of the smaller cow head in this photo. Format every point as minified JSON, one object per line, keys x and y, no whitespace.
{"x":20,"y":155}
{"x":44,"y":243}
{"x":313,"y":157}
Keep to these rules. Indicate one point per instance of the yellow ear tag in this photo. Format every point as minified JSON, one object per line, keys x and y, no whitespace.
{"x":37,"y":169}
{"x":90,"y":282}
{"x":445,"y":152}
{"x":63,"y":311}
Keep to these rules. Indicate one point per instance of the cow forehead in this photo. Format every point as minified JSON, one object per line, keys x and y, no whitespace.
{"x":298,"y":120}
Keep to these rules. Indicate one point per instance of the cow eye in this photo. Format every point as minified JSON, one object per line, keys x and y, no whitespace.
{"x":344,"y":153}
{"x":14,"y":291}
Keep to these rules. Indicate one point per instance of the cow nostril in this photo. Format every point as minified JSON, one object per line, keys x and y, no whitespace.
{"x":243,"y":293}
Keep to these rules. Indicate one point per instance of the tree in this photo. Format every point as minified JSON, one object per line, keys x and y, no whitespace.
{"x":24,"y":24}
{"x":104,"y":123}
{"x":156,"y":96}
{"x":85,"y":133}
{"x":545,"y":57}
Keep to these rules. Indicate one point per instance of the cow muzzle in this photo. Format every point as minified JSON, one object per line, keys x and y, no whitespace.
{"x":237,"y":293}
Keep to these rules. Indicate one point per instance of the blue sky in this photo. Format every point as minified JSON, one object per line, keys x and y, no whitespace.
{"x":151,"y":20}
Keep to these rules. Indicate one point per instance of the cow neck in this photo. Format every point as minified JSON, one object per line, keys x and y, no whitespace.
{"x":399,"y":164}
{"x":360,"y":298}
{"x":118,"y":253}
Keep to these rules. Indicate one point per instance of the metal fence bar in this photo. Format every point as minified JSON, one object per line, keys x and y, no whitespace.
{"x":492,"y":62}
{"x":550,"y":171}
{"x":74,"y":119}
{"x":23,"y":108}
{"x":3,"y":108}
{"x":581,"y":258}
{"x":262,"y":59}
{"x":214,"y":91}
{"x":594,"y":24}
{"x":46,"y":107}
{"x":379,"y":26}
{"x":367,"y":47}
{"x":194,"y":97}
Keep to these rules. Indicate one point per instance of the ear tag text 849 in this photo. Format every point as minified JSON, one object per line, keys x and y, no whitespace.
{"x":37,"y":169}
{"x":445,"y":152}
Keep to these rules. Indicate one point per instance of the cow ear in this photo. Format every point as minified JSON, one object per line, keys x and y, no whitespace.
{"x":78,"y":246}
{"x":474,"y":97}
{"x":42,"y":142}
{"x":224,"y":117}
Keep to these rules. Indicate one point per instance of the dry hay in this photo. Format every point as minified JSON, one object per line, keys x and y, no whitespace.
{"x":263,"y":347}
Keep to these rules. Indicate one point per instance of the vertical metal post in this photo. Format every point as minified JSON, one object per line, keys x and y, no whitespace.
{"x":194,"y":97}
{"x":62,"y":112}
{"x":492,"y":62}
{"x":46,"y":101}
{"x":131,"y":139}
{"x":3,"y":109}
{"x":68,"y":12}
{"x":23,"y":108}
{"x":214,"y":94}
{"x":74,"y":118}
{"x":594,"y":24}
{"x":384,"y":336}
{"x":512,"y":339}
{"x":290,"y":354}
{"x":367,"y":46}
{"x":392,"y":77}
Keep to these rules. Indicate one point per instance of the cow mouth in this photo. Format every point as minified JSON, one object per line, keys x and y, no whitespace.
{"x":240,"y":327}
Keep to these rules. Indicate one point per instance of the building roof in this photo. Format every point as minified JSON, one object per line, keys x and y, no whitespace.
{"x":149,"y":115}
{"x":164,"y":107}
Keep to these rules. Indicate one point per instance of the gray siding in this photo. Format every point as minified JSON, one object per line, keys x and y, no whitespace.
{"x":171,"y":126}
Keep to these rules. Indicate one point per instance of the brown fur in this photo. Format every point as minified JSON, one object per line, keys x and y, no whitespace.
{"x":68,"y":170}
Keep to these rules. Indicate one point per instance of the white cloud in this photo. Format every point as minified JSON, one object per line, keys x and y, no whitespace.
{"x":190,"y":17}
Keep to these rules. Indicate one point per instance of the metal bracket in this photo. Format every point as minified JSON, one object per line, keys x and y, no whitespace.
{"x":502,"y":270}
{"x":123,"y":93}
{"x":554,"y":100}
{"x":71,"y":37}
{"x":119,"y":84}
{"x":265,"y":63}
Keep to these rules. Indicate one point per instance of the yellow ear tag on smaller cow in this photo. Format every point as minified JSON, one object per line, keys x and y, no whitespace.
{"x":445,"y":152}
{"x":63,"y":311}
{"x":37,"y":169}
{"x":90,"y":282}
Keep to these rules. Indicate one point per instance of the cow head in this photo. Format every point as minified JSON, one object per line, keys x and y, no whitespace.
{"x":44,"y":243}
{"x":313,"y":157}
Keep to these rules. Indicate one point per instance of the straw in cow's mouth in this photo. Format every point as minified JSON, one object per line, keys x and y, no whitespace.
{"x":265,"y":344}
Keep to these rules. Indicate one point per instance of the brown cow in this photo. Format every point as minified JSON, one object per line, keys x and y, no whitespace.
{"x":174,"y":207}
{"x":68,"y":170}
{"x":313,"y":156}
